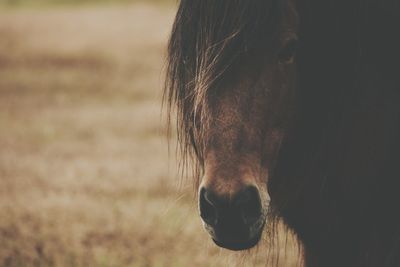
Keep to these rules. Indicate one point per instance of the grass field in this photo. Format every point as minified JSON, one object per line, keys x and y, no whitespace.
{"x":85,"y":175}
{"x":56,"y":3}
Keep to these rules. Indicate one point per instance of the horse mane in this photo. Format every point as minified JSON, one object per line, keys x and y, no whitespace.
{"x":336,"y":173}
{"x":209,"y":41}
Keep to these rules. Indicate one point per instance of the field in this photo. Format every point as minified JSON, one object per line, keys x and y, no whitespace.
{"x":85,"y":174}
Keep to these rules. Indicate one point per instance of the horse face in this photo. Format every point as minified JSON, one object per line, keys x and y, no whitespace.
{"x":246,"y":125}
{"x":230,"y":74}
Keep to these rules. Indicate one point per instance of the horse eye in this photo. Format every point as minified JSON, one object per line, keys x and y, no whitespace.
{"x":286,"y":55}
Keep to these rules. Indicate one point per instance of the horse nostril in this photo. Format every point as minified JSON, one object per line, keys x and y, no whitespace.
{"x":249,"y":202}
{"x":208,"y":211}
{"x":233,"y":219}
{"x":243,"y":208}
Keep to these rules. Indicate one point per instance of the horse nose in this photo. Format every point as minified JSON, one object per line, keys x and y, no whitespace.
{"x":243,"y":208}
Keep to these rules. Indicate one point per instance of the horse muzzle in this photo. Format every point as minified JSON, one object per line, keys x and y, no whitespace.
{"x":235,"y":222}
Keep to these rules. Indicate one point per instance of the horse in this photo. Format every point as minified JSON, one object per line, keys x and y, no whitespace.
{"x":289,"y":110}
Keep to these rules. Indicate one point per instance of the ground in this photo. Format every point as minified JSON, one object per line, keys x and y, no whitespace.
{"x":86,"y":178}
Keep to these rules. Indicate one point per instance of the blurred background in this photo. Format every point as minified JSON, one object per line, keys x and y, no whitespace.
{"x":86,"y":178}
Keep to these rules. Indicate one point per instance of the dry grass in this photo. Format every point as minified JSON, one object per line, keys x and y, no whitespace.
{"x":85,"y":178}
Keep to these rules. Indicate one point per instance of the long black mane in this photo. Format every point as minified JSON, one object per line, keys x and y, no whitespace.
{"x":337,"y":179}
{"x":210,"y":40}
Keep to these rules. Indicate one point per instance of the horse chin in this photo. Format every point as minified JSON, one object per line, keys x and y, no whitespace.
{"x":238,"y":246}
